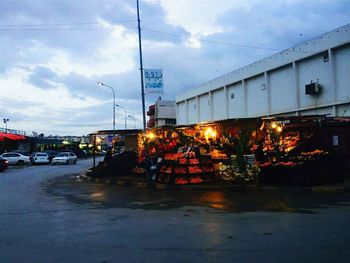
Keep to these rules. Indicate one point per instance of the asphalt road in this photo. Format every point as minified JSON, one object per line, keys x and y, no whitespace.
{"x":46,"y":215}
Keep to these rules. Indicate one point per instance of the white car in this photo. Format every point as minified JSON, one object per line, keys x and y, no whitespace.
{"x":64,"y":158}
{"x":40,"y":158}
{"x":15,"y":158}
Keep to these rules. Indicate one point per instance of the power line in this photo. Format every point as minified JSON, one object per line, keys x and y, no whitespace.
{"x":290,"y":50}
{"x":212,"y":41}
{"x":58,"y":26}
{"x":55,"y":29}
{"x":61,"y":24}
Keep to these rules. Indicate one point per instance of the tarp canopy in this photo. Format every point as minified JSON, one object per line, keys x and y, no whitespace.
{"x":11,"y":136}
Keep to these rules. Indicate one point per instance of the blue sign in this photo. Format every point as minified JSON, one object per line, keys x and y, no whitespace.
{"x":153,"y":80}
{"x":109,"y":140}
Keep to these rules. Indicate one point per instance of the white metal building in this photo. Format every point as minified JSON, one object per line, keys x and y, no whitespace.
{"x":165,"y":113}
{"x":278,"y":85}
{"x":162,"y":113}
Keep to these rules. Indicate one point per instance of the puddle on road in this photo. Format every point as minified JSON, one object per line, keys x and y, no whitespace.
{"x":112,"y":196}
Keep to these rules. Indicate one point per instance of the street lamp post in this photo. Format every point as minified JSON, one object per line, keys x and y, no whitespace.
{"x":125,"y":114}
{"x":134,"y":119}
{"x":6,"y":121}
{"x":102,"y":84}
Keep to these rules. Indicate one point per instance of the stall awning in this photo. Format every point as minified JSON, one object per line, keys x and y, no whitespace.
{"x":11,"y":136}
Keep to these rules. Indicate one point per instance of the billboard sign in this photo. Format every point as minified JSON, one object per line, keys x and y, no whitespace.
{"x":153,"y":80}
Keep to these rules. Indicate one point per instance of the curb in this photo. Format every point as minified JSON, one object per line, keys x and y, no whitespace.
{"x":113,"y":181}
{"x":238,"y":188}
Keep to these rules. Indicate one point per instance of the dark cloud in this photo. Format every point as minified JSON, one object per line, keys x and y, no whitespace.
{"x":265,"y":25}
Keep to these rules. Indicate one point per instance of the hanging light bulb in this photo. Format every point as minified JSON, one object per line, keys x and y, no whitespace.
{"x":150,"y":135}
{"x":209,"y":133}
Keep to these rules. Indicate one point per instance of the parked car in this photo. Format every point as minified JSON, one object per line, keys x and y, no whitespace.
{"x":64,"y":158}
{"x":23,"y":152}
{"x":39,"y":158}
{"x":3,"y":164}
{"x":15,"y":158}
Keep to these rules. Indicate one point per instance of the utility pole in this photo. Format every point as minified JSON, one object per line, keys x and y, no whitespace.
{"x":141,"y":68}
{"x":148,"y":176}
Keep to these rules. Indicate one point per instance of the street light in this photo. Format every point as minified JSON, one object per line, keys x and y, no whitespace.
{"x":134,"y":119}
{"x":124,"y":112}
{"x":102,"y":84}
{"x":6,"y":121}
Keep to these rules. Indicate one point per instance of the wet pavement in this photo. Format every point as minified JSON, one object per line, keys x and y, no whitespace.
{"x":113,"y":196}
{"x":48,"y":216}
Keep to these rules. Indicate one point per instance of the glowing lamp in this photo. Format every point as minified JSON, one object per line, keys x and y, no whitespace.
{"x":209,"y":133}
{"x":279,"y":129}
{"x":273,"y":125}
{"x":151,"y":135}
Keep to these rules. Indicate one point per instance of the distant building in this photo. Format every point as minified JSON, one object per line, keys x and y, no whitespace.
{"x":161,"y":113}
{"x":310,"y":78}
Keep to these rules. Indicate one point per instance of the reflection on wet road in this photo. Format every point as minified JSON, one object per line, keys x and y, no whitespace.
{"x":221,"y":201}
{"x":47,"y":216}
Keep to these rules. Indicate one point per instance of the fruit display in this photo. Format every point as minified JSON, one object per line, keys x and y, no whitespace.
{"x":173,"y":156}
{"x":196,"y":180}
{"x":207,"y":169}
{"x":237,"y":150}
{"x":316,"y":152}
{"x":181,"y":180}
{"x":180,"y":170}
{"x":183,"y":160}
{"x":291,"y":141}
{"x":234,"y":175}
{"x":186,"y":168}
{"x":194,"y":161}
{"x":217,"y":155}
{"x":194,"y":169}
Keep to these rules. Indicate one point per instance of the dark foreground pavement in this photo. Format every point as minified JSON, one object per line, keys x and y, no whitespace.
{"x":50,"y":217}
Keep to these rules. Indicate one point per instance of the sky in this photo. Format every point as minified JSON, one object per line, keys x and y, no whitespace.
{"x":53,"y":52}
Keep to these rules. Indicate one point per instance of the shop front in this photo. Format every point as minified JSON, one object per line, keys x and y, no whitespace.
{"x":11,"y":142}
{"x":203,"y":153}
{"x":291,"y":151}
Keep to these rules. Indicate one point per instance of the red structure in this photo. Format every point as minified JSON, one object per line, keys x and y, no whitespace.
{"x":11,"y":136}
{"x":151,"y":123}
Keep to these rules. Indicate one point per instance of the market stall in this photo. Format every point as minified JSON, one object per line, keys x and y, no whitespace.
{"x":296,"y":152}
{"x":284,"y":150}
{"x":219,"y":151}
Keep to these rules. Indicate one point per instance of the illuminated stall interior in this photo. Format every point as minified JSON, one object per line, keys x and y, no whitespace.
{"x":236,"y":151}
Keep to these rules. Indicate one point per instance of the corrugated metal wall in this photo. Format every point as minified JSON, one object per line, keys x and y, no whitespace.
{"x":276,"y":85}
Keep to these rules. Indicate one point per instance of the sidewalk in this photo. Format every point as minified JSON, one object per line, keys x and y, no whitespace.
{"x":141,"y":182}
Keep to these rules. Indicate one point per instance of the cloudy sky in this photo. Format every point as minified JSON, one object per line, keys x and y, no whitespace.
{"x":53,"y":52}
